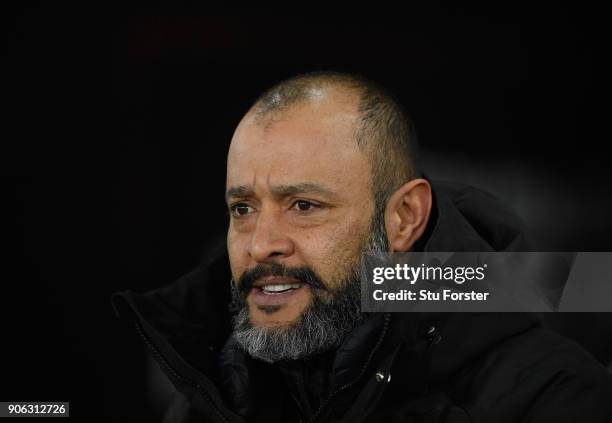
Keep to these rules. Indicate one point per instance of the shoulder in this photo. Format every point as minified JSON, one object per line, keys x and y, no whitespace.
{"x":536,"y":376}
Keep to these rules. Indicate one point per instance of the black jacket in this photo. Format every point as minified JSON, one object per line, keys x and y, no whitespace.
{"x":400,"y":367}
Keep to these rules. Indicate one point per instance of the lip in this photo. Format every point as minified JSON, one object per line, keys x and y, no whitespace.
{"x":262,"y":299}
{"x":275,"y":280}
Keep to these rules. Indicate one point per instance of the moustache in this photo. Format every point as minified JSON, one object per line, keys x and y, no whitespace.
{"x":303,"y":274}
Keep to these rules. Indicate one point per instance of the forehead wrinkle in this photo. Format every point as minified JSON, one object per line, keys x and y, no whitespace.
{"x":302,"y":188}
{"x":283,"y":190}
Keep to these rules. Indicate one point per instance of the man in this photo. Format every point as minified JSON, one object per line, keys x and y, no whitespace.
{"x":321,"y":169}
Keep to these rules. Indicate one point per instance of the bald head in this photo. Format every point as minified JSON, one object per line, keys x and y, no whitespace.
{"x":382,"y":129}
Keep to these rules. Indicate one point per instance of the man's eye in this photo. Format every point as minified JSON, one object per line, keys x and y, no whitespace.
{"x":240,"y":209}
{"x":303,"y":205}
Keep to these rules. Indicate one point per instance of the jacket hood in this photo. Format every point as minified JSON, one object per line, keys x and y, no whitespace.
{"x":465,"y":218}
{"x":188,"y":322}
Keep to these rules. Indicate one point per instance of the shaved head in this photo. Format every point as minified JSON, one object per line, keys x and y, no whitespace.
{"x":383,"y":130}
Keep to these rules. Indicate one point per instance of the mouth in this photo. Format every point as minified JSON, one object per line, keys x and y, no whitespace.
{"x":279,"y":289}
{"x":275,"y":291}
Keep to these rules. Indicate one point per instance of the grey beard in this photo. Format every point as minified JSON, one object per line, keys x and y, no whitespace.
{"x":321,"y":327}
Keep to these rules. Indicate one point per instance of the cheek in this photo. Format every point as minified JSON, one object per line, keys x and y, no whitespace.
{"x":333,"y":251}
{"x":236,"y":254}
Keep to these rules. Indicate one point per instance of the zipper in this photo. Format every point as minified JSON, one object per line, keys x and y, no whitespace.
{"x":344,"y":387}
{"x":164,"y":364}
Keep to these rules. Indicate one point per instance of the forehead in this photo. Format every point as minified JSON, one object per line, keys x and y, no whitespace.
{"x":308,"y":143}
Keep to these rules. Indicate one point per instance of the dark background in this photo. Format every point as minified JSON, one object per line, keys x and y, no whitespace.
{"x":117,"y":119}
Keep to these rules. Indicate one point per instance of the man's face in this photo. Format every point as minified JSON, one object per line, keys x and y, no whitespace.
{"x":300,"y":195}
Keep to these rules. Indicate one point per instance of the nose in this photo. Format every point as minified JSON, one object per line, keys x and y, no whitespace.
{"x":269,"y":240}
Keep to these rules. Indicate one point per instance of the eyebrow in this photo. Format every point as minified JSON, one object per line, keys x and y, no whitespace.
{"x":282,"y":190}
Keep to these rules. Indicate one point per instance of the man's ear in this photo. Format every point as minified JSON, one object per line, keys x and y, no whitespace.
{"x":407,"y":214}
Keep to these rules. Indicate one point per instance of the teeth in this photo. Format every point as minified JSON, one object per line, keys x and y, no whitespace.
{"x":280,"y":287}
